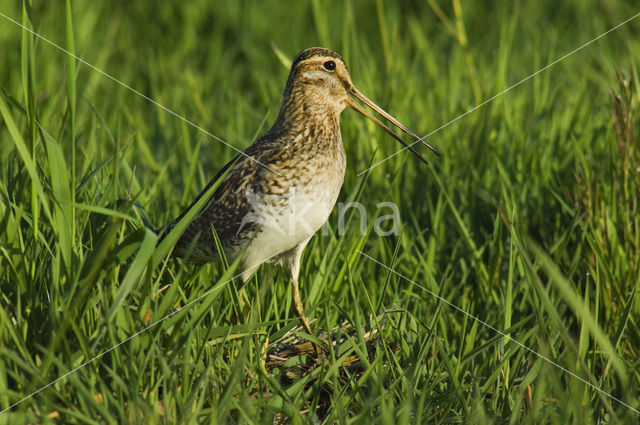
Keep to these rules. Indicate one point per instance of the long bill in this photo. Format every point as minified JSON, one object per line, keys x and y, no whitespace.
{"x":356,"y":106}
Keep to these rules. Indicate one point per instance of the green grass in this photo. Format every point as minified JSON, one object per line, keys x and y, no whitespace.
{"x":529,"y":221}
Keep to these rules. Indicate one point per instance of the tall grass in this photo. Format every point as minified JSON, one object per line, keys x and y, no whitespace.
{"x":529,"y":222}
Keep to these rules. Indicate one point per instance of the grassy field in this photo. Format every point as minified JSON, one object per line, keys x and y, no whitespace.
{"x":509,"y":295}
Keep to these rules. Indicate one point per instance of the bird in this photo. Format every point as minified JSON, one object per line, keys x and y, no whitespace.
{"x":273,"y":196}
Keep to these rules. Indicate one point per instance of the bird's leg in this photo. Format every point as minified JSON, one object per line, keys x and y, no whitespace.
{"x":300,"y":310}
{"x":298,"y":305}
{"x":291,"y":260}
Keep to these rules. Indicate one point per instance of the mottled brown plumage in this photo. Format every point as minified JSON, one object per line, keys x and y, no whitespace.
{"x":282,"y":188}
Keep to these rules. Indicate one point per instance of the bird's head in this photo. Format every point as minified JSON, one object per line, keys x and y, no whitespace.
{"x":319,"y":80}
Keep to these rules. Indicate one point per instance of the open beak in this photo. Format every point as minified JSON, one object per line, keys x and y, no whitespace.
{"x":354,"y":105}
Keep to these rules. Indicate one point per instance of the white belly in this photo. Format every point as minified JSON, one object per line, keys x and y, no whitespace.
{"x":285,"y":222}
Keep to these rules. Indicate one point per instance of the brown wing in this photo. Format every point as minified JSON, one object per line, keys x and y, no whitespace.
{"x":229,"y":205}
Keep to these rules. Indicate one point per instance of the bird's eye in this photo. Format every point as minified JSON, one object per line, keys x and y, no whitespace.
{"x":329,"y":65}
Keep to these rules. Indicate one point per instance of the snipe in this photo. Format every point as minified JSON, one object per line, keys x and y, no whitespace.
{"x":281,"y":189}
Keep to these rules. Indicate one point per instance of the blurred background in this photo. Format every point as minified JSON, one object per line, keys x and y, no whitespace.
{"x":529,"y":221}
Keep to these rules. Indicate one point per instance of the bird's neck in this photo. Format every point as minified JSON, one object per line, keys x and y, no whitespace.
{"x":311,"y":131}
{"x":304,"y":113}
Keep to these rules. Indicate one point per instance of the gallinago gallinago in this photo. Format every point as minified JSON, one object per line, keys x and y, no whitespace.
{"x":281,"y":189}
